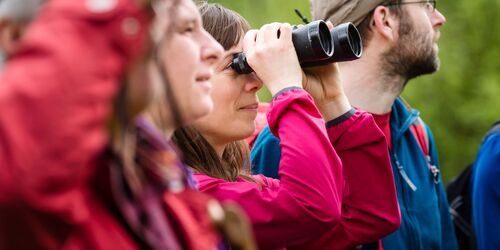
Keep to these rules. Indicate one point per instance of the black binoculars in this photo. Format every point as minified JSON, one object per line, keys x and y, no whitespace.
{"x":316,"y":45}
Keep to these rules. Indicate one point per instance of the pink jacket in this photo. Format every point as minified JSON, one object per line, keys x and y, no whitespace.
{"x":307,"y":205}
{"x":55,"y":100}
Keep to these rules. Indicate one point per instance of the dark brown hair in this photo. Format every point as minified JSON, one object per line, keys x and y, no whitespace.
{"x":228,"y":28}
{"x":225,"y":25}
{"x":201,"y":156}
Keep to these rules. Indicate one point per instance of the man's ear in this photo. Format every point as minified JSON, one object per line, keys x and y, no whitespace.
{"x":10,"y":34}
{"x":385,"y":23}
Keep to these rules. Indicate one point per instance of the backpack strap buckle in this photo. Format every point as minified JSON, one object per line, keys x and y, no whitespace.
{"x":434,"y":170}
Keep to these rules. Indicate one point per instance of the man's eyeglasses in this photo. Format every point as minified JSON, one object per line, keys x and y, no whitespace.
{"x":430,"y":5}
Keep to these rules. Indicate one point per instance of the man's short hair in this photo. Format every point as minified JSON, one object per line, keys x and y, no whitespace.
{"x":19,"y":10}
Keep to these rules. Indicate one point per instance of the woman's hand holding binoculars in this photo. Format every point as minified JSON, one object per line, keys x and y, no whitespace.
{"x":271,"y":54}
{"x":324,"y":85}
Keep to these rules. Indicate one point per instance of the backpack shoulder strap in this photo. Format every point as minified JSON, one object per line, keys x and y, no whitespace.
{"x":420,"y":133}
{"x":419,"y":130}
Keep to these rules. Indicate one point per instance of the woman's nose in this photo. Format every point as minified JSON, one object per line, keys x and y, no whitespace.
{"x":252,"y":82}
{"x":211,"y":49}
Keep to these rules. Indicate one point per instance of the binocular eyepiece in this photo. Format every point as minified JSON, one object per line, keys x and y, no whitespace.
{"x":315,"y":45}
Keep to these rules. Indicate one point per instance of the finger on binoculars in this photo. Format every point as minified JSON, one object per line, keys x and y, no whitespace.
{"x":268,"y":33}
{"x":249,"y":40}
{"x":286,"y":32}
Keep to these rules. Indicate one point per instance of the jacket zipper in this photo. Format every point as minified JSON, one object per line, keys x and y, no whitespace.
{"x":406,"y":179}
{"x":403,"y":174}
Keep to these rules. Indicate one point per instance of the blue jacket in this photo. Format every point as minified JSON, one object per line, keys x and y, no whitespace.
{"x":486,"y":193}
{"x":426,"y":223}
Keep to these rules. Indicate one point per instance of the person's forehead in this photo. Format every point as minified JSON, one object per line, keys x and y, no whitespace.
{"x":186,"y":8}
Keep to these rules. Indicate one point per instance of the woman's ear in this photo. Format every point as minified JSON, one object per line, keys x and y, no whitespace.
{"x":10,"y":35}
{"x":385,"y":23}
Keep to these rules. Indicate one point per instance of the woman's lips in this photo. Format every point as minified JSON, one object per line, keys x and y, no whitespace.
{"x":204,"y":81}
{"x":250,"y":107}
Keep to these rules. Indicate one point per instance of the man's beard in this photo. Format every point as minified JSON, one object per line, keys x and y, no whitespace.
{"x":412,"y":56}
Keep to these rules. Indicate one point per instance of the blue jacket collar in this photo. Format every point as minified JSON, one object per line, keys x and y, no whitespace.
{"x":402,"y":116}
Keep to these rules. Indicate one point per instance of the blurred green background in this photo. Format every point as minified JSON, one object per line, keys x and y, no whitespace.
{"x":459,"y":102}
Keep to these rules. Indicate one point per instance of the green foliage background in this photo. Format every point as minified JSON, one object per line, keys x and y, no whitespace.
{"x":460,"y":101}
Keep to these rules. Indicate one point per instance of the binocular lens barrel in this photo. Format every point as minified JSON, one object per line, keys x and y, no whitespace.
{"x":312,"y":42}
{"x":316,"y":45}
{"x":347,"y":42}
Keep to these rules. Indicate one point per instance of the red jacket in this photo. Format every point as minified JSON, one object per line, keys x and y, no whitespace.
{"x":302,"y":209}
{"x":55,"y":99}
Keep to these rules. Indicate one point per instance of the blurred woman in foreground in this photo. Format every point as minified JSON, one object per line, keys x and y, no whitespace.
{"x":76,"y":173}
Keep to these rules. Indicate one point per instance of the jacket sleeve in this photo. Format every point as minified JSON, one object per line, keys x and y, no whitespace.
{"x":56,"y":98}
{"x":486,"y":193}
{"x":448,"y":237}
{"x":306,"y":202}
{"x":370,"y":208}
